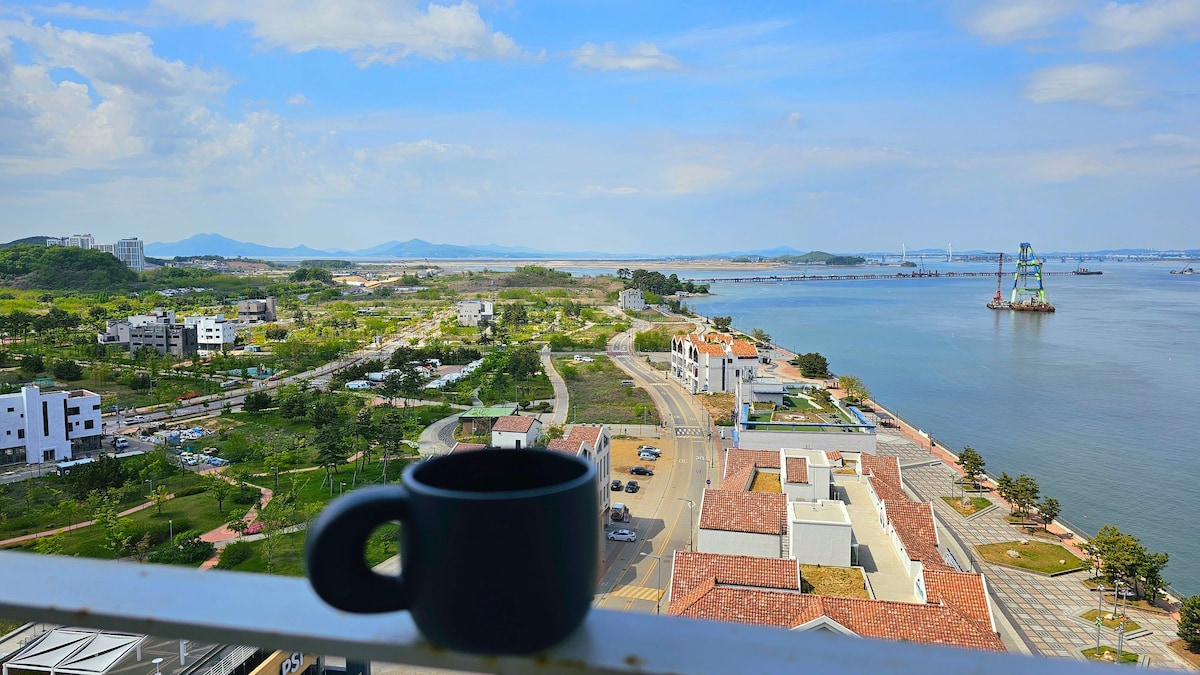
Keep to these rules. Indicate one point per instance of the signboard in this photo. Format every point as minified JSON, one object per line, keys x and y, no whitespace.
{"x":285,"y":663}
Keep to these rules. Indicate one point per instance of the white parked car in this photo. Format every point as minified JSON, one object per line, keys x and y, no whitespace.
{"x":137,"y":419}
{"x":650,"y":449}
{"x":623,"y":535}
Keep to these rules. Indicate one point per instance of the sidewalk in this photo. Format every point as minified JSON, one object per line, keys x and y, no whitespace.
{"x":1041,"y":608}
{"x":76,"y":526}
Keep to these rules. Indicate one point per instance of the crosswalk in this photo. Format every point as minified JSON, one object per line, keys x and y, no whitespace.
{"x":636,"y":592}
{"x":689,"y":431}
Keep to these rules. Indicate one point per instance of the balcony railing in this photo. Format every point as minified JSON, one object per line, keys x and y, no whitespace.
{"x":283,"y":613}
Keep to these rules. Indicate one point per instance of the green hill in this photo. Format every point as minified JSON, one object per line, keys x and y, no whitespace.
{"x":28,"y":241}
{"x":62,"y":267}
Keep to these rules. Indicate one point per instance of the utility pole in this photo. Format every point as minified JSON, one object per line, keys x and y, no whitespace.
{"x":690,"y":504}
{"x":1099,"y":616}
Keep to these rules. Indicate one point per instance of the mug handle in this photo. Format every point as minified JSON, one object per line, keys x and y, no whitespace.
{"x":334,"y":553}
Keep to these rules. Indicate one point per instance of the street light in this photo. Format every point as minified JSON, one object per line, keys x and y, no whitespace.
{"x":171,"y":529}
{"x":657,"y":581}
{"x":690,"y":504}
{"x":1099,"y":615}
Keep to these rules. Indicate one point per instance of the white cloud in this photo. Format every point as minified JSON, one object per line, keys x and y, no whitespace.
{"x":1084,"y":83}
{"x":642,"y":56}
{"x":1120,"y":26}
{"x":601,"y":190}
{"x":91,"y":13}
{"x":795,"y":119}
{"x":1011,"y":20}
{"x":687,"y":178}
{"x":371,"y":31}
{"x":400,"y":152}
{"x":298,"y":99}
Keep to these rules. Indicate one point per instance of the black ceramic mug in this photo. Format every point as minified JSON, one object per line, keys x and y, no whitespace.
{"x":499,"y":549}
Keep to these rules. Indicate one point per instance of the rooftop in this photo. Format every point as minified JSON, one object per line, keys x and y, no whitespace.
{"x":520,"y":424}
{"x":825,"y":511}
{"x":737,"y":511}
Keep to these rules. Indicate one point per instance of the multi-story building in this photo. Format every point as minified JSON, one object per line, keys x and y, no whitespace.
{"x":175,"y":339}
{"x":81,"y":241}
{"x":594,"y":443}
{"x":213,"y":333}
{"x":129,"y":251}
{"x":631,"y":298}
{"x":713,"y":362}
{"x":116,"y":332}
{"x":38,"y":427}
{"x":157,"y":316}
{"x":475,"y":312}
{"x":257,"y":310}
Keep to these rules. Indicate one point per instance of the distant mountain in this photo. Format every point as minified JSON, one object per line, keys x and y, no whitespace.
{"x":215,"y":244}
{"x":32,"y":241}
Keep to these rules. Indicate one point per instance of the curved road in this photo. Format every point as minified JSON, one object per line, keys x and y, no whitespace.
{"x":665,"y":525}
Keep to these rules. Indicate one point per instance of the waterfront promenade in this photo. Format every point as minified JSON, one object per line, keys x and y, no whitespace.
{"x":1043,"y":609}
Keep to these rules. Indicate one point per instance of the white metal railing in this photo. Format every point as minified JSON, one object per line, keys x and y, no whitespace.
{"x":230,"y":661}
{"x":283,"y":613}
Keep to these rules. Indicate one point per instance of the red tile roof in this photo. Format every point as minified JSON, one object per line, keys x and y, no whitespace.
{"x":589,"y":433}
{"x":519,"y":424}
{"x":913,"y":522}
{"x":743,"y":348}
{"x":737,"y":459}
{"x":928,"y":623}
{"x":467,"y":447}
{"x":565,"y":445}
{"x":885,"y":467}
{"x":690,"y":569}
{"x":751,"y":512}
{"x":964,"y":591}
{"x":833,"y":455}
{"x":797,"y":469}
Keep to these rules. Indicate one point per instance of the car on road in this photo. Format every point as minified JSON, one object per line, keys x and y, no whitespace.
{"x":616,"y":486}
{"x":650,"y":449}
{"x":641,"y":471}
{"x":137,"y":419}
{"x":632,"y":486}
{"x":623,"y":535}
{"x":121,"y":443}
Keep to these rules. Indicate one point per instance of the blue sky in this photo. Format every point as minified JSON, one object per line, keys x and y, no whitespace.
{"x":662,"y":127}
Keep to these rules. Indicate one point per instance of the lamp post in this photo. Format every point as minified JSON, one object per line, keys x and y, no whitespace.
{"x":342,"y":488}
{"x":1099,"y":616}
{"x":276,"y":470}
{"x":171,"y":529}
{"x":657,"y":581}
{"x":690,"y":504}
{"x":1120,"y":640}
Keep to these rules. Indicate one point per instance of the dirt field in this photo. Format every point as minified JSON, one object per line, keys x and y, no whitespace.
{"x":719,"y":406}
{"x":624,"y":457}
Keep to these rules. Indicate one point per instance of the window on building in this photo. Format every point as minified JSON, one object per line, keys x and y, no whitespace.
{"x":11,"y":409}
{"x":48,"y":455}
{"x":73,"y":410}
{"x":20,"y":433}
{"x":89,"y":424}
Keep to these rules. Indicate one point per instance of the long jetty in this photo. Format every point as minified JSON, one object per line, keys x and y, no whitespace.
{"x":854,"y":277}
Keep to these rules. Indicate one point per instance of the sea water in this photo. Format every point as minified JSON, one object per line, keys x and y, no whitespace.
{"x":1096,"y":401}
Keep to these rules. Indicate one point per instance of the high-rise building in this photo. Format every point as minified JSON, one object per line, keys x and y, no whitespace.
{"x":129,"y":251}
{"x":81,"y":241}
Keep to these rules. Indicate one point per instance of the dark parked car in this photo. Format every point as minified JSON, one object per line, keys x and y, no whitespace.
{"x":616,"y":486}
{"x":641,"y":471}
{"x":632,"y":486}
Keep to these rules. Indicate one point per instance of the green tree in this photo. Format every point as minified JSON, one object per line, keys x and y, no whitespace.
{"x":971,"y":463}
{"x":256,"y":401}
{"x":159,"y":497}
{"x":239,"y":524}
{"x":67,"y":369}
{"x":117,"y":530}
{"x":331,"y":451}
{"x":1189,"y":621}
{"x":1149,"y":574}
{"x":721,"y":323}
{"x":324,"y":412}
{"x":32,"y":364}
{"x":1004,"y":488}
{"x":1025,"y":492}
{"x":1048,"y":509}
{"x":761,"y":336}
{"x":1120,"y":554}
{"x":812,"y":364}
{"x":218,"y":487}
{"x":523,"y":362}
{"x":854,"y":387}
{"x":514,"y":314}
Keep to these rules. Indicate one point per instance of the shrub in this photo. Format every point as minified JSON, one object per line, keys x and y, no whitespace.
{"x":235,"y":554}
{"x":189,"y":491}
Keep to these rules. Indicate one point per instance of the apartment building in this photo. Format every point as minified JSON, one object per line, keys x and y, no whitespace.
{"x":474,"y":312}
{"x":713,"y":362}
{"x":631,"y":298}
{"x":259,"y":310}
{"x":213,"y":333}
{"x":129,"y":251}
{"x":175,"y":339}
{"x":38,"y":427}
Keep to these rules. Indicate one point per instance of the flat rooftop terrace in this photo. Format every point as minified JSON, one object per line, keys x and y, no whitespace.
{"x":820,"y":512}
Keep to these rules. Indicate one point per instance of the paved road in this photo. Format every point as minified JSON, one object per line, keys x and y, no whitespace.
{"x":630,"y":580}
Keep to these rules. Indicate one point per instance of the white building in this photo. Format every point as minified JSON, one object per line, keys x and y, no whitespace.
{"x":213,"y":333}
{"x":713,"y":362}
{"x":820,"y":533}
{"x":38,"y":427}
{"x":159,"y":316}
{"x":590,"y":441}
{"x":474,"y":312}
{"x":742,"y":523}
{"x":129,"y":251}
{"x":516,"y":431}
{"x":256,"y":310}
{"x":631,"y":298}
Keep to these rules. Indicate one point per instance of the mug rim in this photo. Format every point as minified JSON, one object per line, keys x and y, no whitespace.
{"x":413,"y":484}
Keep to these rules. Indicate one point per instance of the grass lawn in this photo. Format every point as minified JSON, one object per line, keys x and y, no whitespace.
{"x":1111,"y":624}
{"x":1093,"y":655}
{"x":974,"y":505}
{"x":598,"y":397}
{"x":842,"y":582}
{"x":1037,"y":556}
{"x":287,"y":557}
{"x":766,"y":482}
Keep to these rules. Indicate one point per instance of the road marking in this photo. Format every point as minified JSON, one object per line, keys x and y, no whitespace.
{"x":689,"y":431}
{"x":637,"y":593}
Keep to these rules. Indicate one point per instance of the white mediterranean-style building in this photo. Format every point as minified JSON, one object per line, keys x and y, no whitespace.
{"x":631,"y":298}
{"x":474,"y":312}
{"x":516,"y":431}
{"x":713,"y":362}
{"x":213,"y":333}
{"x":592,"y":442}
{"x":37,"y":427}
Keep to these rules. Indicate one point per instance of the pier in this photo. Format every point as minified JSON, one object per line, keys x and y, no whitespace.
{"x":854,"y":277}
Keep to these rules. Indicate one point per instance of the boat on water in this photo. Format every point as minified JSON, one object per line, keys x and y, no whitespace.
{"x":1028,"y":290}
{"x":1083,"y":271}
{"x":1187,"y":270}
